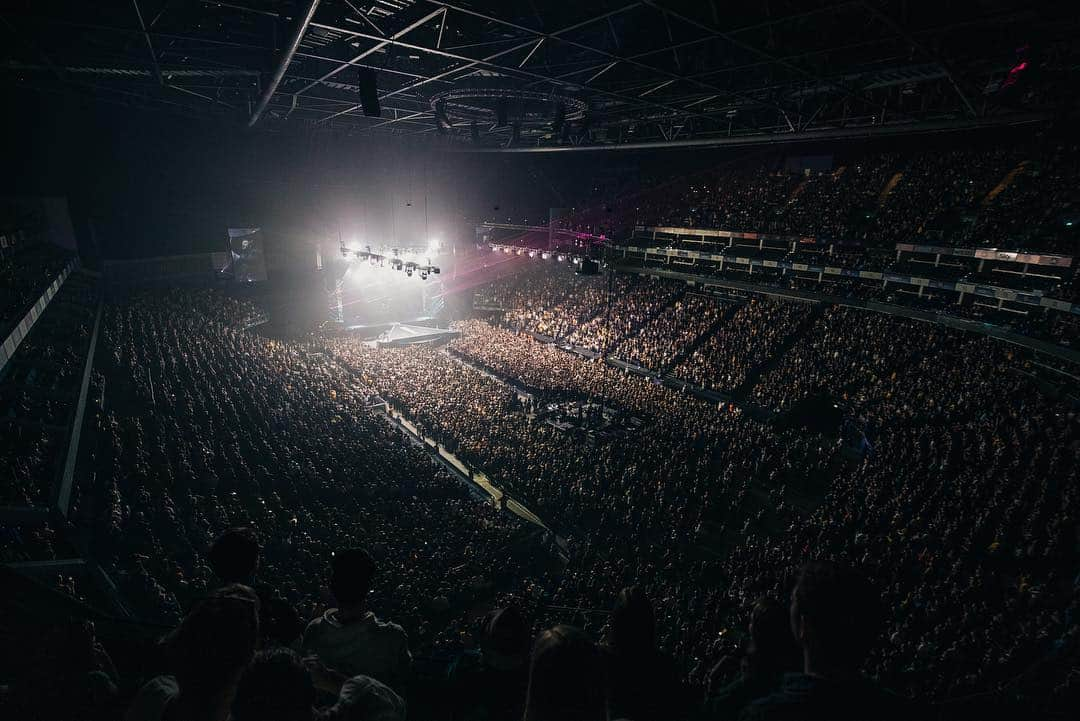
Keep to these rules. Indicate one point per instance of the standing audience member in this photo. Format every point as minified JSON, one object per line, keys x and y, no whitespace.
{"x":275,"y":687}
{"x":350,"y":638}
{"x":642,"y":681}
{"x":234,"y":558}
{"x":772,"y":653}
{"x":566,"y":681}
{"x":490,"y":685}
{"x":836,"y":617}
{"x":208,"y":652}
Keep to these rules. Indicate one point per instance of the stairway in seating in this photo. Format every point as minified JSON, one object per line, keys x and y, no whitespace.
{"x":1005,"y":182}
{"x":889,"y":187}
{"x":725,"y":315}
{"x":754,"y":374}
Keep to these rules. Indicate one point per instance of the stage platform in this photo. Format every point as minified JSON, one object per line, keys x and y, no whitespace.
{"x":400,"y":334}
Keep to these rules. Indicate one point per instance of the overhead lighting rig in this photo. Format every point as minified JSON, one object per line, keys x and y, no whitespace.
{"x":395,"y":261}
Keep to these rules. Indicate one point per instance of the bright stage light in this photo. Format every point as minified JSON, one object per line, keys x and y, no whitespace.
{"x":545,"y":255}
{"x":532,"y":253}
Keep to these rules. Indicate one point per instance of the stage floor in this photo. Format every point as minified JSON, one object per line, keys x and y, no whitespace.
{"x":400,"y":334}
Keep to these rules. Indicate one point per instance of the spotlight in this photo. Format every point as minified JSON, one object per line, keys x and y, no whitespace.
{"x":423,"y":275}
{"x":561,"y":258}
{"x":532,"y":253}
{"x":545,"y":255}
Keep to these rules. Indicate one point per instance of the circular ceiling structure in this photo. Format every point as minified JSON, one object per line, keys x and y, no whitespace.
{"x":491,"y":107}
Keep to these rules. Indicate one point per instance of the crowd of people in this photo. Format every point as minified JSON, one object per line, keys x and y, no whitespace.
{"x":674,"y":330}
{"x":39,"y":394}
{"x":1016,"y":197}
{"x":750,"y":337}
{"x":561,"y":305}
{"x":249,"y":492}
{"x":27,"y":268}
{"x":210,"y":426}
{"x":623,"y":315}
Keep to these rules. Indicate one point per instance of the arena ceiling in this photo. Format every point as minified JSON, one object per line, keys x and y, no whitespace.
{"x":556,"y":74}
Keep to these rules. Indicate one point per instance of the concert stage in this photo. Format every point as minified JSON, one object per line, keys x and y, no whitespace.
{"x":400,"y":334}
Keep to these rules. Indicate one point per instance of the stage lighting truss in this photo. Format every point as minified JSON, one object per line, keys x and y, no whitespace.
{"x":533,"y":253}
{"x":396,"y":263}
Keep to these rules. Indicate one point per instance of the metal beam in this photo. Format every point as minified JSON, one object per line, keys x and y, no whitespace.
{"x":770,"y":58}
{"x":531,"y":52}
{"x":907,"y":37}
{"x":379,"y":45}
{"x":149,"y":45}
{"x":603,"y":53}
{"x":489,"y":61}
{"x":283,"y":64}
{"x":442,"y":27}
{"x":786,"y":138}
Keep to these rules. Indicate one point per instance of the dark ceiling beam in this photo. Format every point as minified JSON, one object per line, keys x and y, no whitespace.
{"x":599,"y":51}
{"x":283,"y":63}
{"x":910,"y":40}
{"x":944,"y":126}
{"x":149,"y":43}
{"x":328,"y":83}
{"x":769,"y":57}
{"x":489,"y":62}
{"x":379,"y":45}
{"x":135,"y":31}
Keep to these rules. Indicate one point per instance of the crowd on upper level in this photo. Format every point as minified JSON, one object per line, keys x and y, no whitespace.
{"x":1017,"y":197}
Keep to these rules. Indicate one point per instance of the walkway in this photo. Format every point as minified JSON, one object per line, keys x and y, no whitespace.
{"x":464,"y":472}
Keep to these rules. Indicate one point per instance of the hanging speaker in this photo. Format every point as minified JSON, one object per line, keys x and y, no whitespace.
{"x":369,"y":92}
{"x":442,"y":121}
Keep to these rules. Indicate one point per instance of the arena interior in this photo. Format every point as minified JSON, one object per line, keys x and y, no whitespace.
{"x":525,"y":360}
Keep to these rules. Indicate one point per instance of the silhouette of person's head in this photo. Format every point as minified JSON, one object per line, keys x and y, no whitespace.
{"x":633,"y":622}
{"x":234,"y":555}
{"x":835,"y":616}
{"x":276,"y":686}
{"x":504,"y":639}
{"x":566,"y":680}
{"x":772,"y":647}
{"x":351,"y":571}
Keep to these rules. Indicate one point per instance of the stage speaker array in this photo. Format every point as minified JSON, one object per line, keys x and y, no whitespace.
{"x":369,"y":92}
